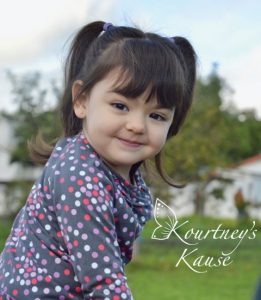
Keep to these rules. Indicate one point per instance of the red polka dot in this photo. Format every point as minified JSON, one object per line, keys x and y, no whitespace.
{"x":116,"y":298}
{"x":86,"y":279}
{"x":41,"y":216}
{"x":34,"y":281}
{"x":71,"y":296}
{"x":101,"y":247}
{"x":67,"y":272}
{"x":95,"y":193}
{"x":82,"y":157}
{"x":62,"y":180}
{"x":70,"y":189}
{"x":75,"y":243}
{"x":86,"y":201}
{"x":66,"y":207}
{"x":15,"y":292}
{"x":48,"y":279}
{"x":45,"y":188}
{"x":108,"y":187}
{"x":78,"y":289}
{"x":59,"y":234}
{"x":108,"y":280}
{"x":95,"y":179}
{"x":80,"y":182}
{"x":98,"y":287}
{"x":87,"y":217}
{"x":106,"y":229}
{"x":51,"y":253}
{"x":123,"y":288}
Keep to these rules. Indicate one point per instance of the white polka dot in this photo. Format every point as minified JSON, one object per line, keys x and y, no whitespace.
{"x":106,"y":292}
{"x":78,"y":194}
{"x":104,"y":207}
{"x":47,"y":227}
{"x":89,"y":186}
{"x":107,"y":271}
{"x":57,"y":260}
{"x":94,"y":265}
{"x":77,"y":203}
{"x":87,"y":248}
{"x":58,"y":288}
{"x":117,"y":282}
{"x":22,"y":282}
{"x":34,"y":289}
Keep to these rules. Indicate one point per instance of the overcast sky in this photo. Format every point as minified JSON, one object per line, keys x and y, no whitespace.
{"x":33,"y":36}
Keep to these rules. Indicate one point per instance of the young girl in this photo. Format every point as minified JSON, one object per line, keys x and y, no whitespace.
{"x":126,"y":93}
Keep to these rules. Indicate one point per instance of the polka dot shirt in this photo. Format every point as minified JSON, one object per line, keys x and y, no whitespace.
{"x":75,"y":233}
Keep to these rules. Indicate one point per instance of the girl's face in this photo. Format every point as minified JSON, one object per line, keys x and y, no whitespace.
{"x":122,"y":131}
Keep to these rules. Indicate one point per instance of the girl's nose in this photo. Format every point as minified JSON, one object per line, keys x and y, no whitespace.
{"x":136,"y":123}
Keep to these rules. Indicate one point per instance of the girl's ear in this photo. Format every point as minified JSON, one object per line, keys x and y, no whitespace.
{"x":79,"y":102}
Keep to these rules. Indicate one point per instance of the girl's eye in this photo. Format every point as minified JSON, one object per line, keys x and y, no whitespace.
{"x":157,"y":117}
{"x":120,"y":106}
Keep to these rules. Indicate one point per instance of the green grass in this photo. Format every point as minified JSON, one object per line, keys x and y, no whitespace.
{"x":153,"y":273}
{"x":5,"y":227}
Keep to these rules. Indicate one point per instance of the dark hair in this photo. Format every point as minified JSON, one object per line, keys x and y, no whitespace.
{"x":146,"y":60}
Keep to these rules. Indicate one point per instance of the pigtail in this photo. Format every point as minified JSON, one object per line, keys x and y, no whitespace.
{"x":39,"y":149}
{"x":73,"y":67}
{"x":188,"y":59}
{"x":81,"y":43}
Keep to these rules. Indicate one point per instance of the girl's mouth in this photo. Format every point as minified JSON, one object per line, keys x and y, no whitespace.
{"x":132,"y":144}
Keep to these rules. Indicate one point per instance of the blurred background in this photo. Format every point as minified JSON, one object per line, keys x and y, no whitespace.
{"x":217,"y":153}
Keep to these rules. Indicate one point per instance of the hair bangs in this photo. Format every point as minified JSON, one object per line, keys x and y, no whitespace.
{"x":145,"y":66}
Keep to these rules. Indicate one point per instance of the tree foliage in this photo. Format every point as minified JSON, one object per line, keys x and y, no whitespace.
{"x":33,"y":113}
{"x":212,"y":136}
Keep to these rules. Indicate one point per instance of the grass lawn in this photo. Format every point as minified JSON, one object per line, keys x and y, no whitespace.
{"x":153,"y":273}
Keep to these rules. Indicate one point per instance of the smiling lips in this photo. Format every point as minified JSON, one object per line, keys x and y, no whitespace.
{"x":129,"y":143}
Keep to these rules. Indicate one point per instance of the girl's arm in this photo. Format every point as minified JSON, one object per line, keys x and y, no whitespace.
{"x":88,"y":229}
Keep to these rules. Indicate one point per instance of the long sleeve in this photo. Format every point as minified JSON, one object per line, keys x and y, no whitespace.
{"x":85,"y":216}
